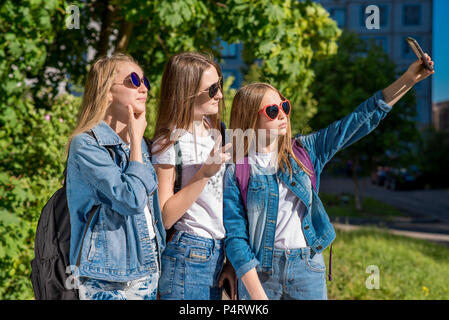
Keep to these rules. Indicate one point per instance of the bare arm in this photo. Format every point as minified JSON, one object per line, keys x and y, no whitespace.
{"x":253,"y":285}
{"x":415,"y":73}
{"x":175,"y":205}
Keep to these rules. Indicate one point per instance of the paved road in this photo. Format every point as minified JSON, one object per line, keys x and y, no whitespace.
{"x":428,"y":210}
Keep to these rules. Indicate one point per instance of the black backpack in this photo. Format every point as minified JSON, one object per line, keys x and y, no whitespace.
{"x":50,"y":269}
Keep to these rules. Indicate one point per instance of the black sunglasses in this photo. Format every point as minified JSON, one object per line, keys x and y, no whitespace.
{"x":213,"y":89}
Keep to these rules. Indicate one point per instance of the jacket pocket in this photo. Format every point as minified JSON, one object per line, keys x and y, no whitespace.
{"x":199,"y":266}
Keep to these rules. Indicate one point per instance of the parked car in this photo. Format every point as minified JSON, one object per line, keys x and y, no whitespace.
{"x":404,"y":178}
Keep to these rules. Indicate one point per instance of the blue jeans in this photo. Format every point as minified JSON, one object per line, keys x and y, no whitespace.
{"x":295,"y":276}
{"x":191,"y":267}
{"x":141,"y":289}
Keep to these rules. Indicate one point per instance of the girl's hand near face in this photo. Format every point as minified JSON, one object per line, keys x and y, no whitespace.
{"x":136,"y":128}
{"x":136,"y":124}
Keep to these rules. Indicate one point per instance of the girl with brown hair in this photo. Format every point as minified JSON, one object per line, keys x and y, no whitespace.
{"x":189,"y":162}
{"x":276,"y":225}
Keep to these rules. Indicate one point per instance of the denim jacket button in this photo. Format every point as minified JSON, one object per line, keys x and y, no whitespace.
{"x":293,"y":184}
{"x":319,"y":247}
{"x":306,"y":227}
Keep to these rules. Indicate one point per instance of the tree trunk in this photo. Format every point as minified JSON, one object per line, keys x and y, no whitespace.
{"x":107,"y":20}
{"x":126,"y":30}
{"x":357,"y":194}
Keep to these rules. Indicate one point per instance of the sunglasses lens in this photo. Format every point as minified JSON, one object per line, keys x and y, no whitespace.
{"x":272,"y":112}
{"x":146,"y":83}
{"x":286,"y":107}
{"x":135,"y":79}
{"x":213,"y":89}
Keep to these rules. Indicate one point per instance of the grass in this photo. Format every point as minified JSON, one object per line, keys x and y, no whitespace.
{"x":343,"y":205}
{"x":408,"y":268}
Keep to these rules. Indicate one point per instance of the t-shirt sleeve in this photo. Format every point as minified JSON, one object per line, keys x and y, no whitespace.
{"x":165,"y":157}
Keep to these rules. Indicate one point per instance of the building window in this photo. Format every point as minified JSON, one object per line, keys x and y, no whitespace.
{"x":411,"y":15}
{"x":339,"y":15}
{"x":229,"y":50}
{"x":407,"y":52}
{"x":383,"y":15}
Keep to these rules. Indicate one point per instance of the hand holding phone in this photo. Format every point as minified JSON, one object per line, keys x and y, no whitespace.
{"x":419,"y":52}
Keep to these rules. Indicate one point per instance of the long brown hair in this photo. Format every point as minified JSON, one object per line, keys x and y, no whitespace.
{"x":180,"y":84}
{"x":95,"y":98}
{"x":244,"y":114}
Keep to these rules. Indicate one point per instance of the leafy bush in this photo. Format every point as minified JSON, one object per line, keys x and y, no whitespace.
{"x":32,"y":159}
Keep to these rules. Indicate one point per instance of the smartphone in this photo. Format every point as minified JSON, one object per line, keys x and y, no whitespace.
{"x":418,"y":51}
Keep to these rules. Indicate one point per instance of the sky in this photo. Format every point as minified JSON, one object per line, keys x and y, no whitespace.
{"x":440,"y":81}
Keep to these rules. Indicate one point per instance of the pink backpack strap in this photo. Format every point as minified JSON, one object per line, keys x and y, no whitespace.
{"x":242,"y":176}
{"x":304,"y":157}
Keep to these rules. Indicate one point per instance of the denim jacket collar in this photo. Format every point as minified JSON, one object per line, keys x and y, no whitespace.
{"x":105,"y":135}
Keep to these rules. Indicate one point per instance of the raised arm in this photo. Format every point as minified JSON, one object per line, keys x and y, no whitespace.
{"x":415,"y":73}
{"x":324,"y":143}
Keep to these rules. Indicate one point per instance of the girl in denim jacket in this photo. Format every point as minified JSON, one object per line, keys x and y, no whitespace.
{"x":189,"y":162}
{"x":116,"y":230}
{"x":275,"y":238}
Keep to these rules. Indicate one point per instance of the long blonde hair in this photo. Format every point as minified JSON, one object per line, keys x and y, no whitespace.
{"x":180,"y":84}
{"x":244,"y":114}
{"x":95,"y":98}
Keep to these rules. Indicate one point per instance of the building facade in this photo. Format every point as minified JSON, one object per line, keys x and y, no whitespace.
{"x":441,"y":115}
{"x":398,"y":19}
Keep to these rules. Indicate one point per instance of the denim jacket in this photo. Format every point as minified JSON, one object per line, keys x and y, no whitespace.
{"x":115,"y":244}
{"x":250,"y":233}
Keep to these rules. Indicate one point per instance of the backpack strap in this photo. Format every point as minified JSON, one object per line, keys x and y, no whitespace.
{"x":304,"y":157}
{"x":242,"y":171}
{"x":223,"y":133}
{"x":178,"y":166}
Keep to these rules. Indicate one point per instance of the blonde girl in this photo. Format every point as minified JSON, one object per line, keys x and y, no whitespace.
{"x":116,"y":227}
{"x":189,"y":160}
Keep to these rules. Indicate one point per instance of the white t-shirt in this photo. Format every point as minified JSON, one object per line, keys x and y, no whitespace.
{"x":205,"y":217}
{"x":289,"y":234}
{"x":149,"y":218}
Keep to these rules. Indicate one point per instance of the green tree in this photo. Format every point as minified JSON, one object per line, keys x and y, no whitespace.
{"x":348,"y":78}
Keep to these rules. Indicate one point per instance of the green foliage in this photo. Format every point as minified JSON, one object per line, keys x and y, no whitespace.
{"x":32,"y":159}
{"x":284,"y":38}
